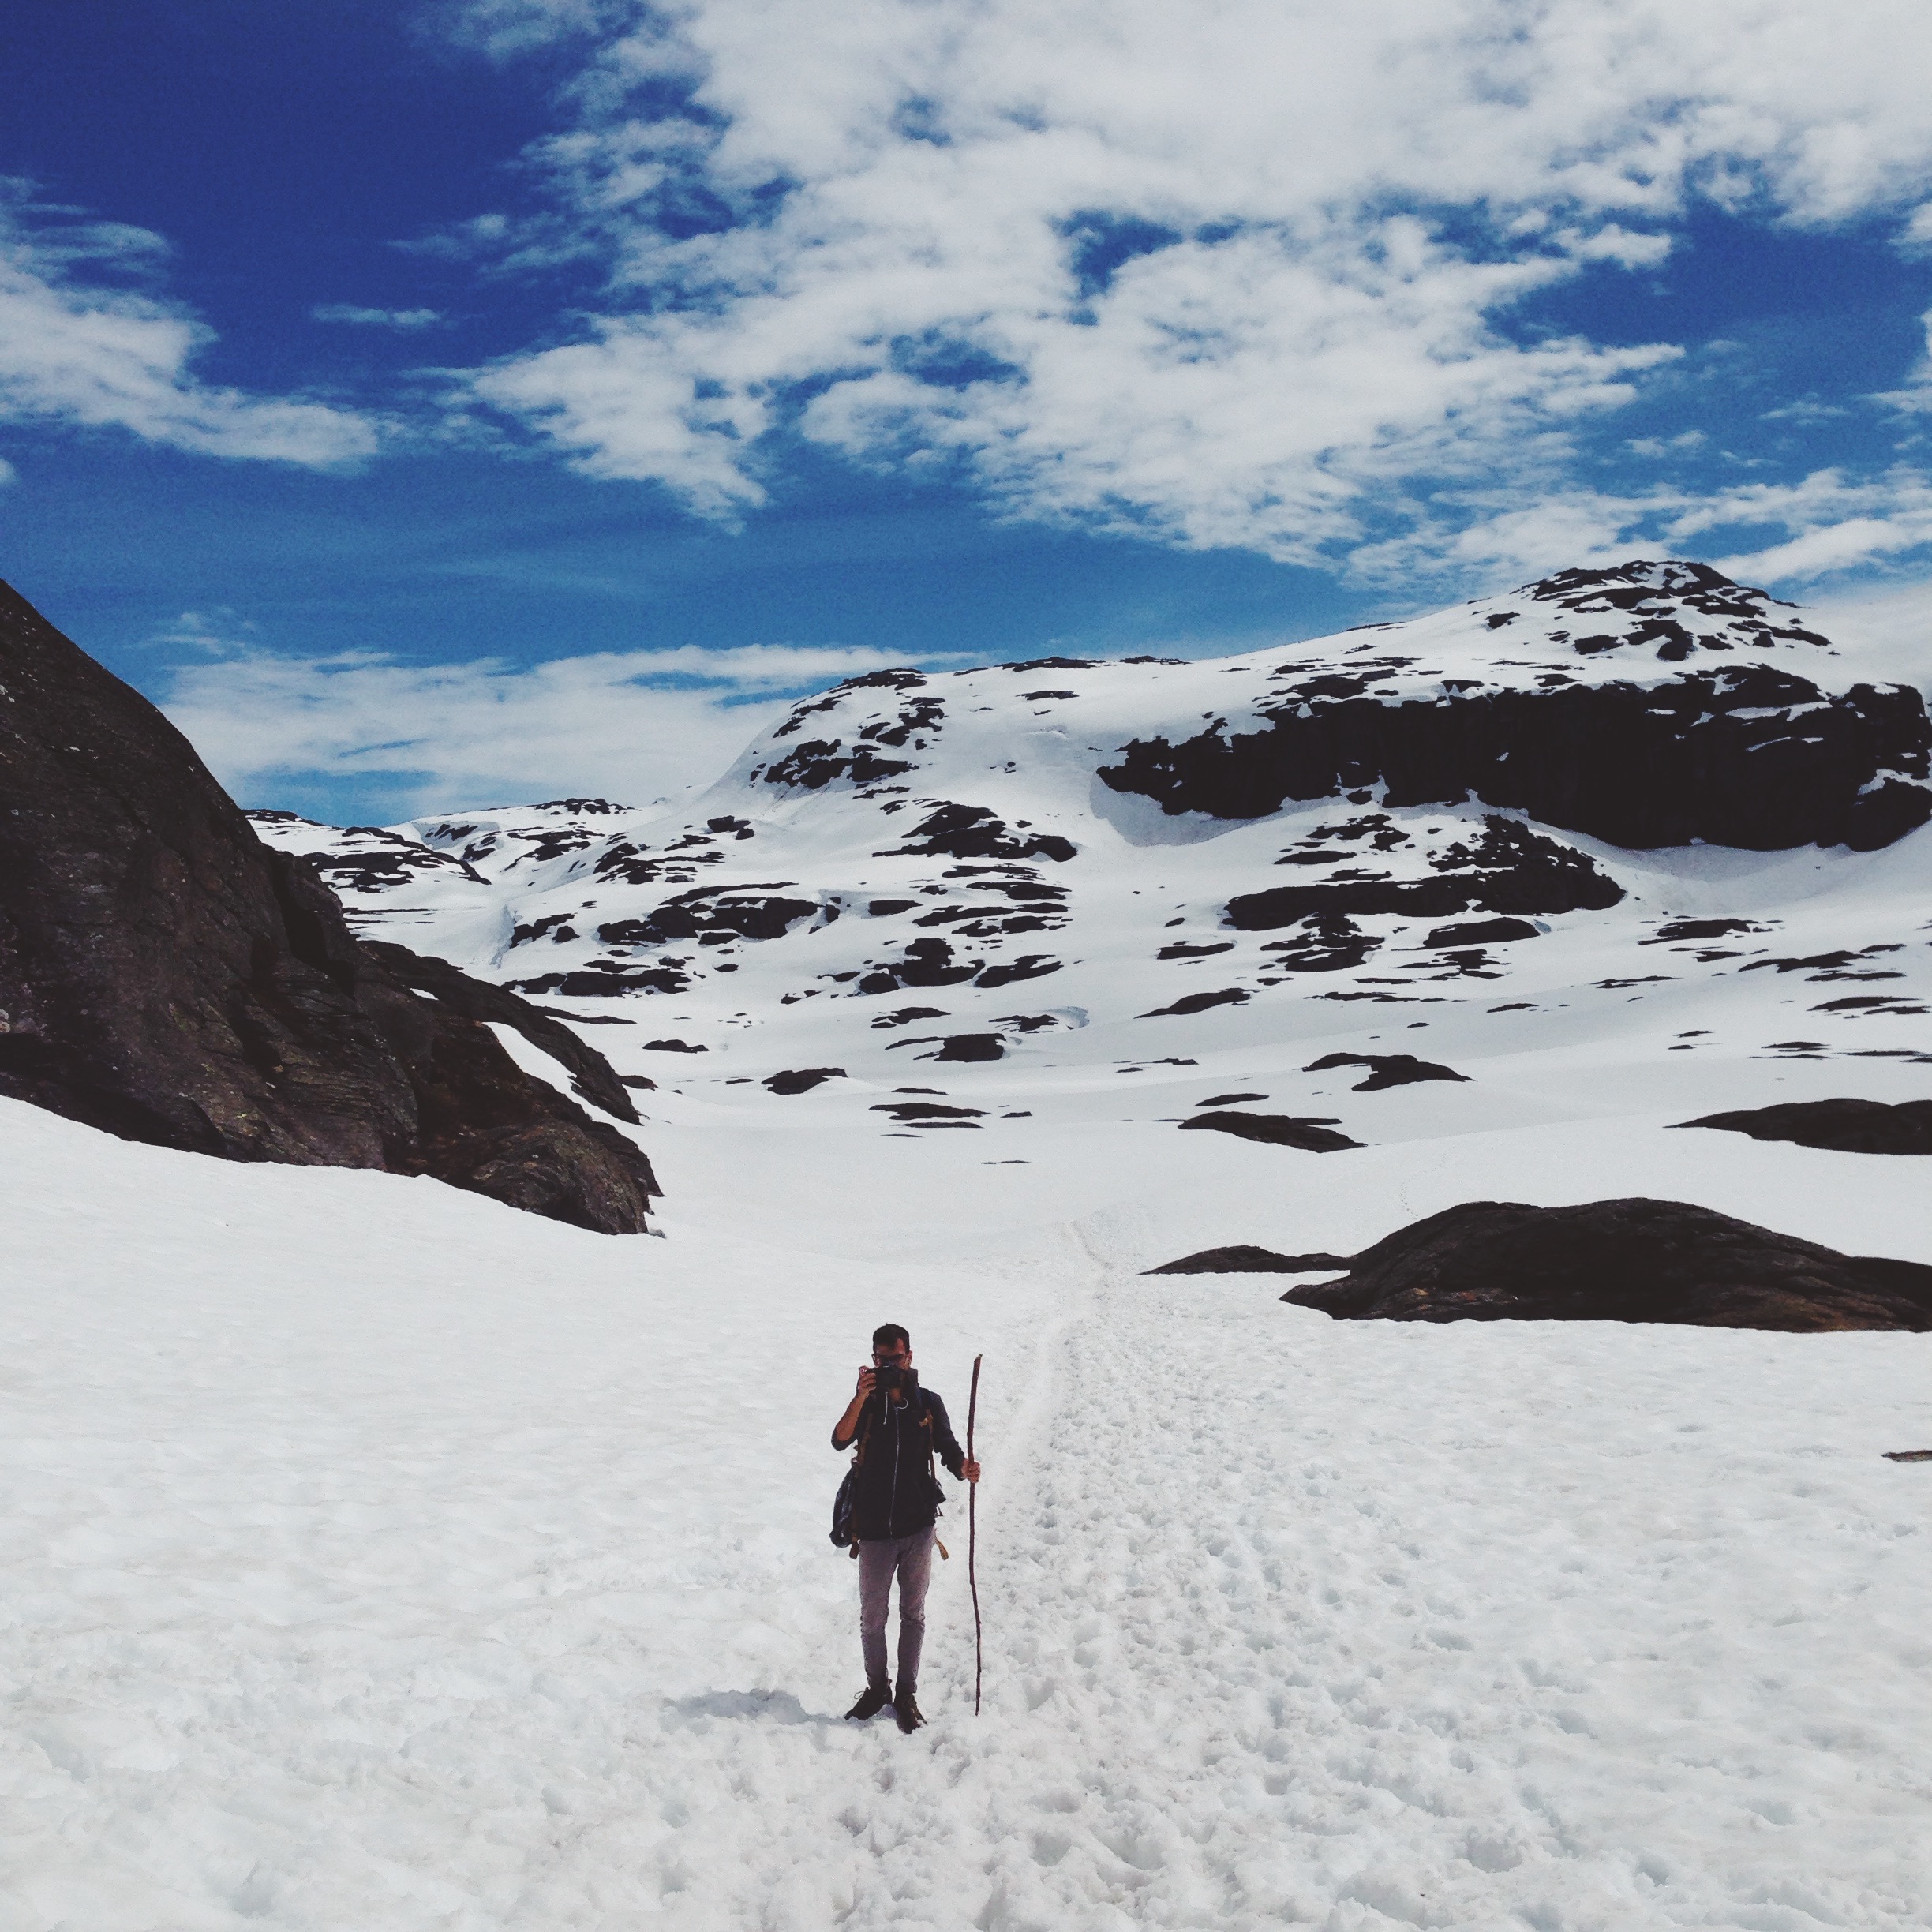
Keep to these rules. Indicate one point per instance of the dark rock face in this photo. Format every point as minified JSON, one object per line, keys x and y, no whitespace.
{"x":1242,"y":1260}
{"x":592,"y":1076}
{"x":1028,"y":966}
{"x":803,"y":1080}
{"x":932,"y":962}
{"x":1619,"y":1260}
{"x":971,"y":1047}
{"x":605,"y":980}
{"x":978,"y":832}
{"x":1717,"y":752}
{"x":816,"y":762}
{"x":1313,"y":1136}
{"x":713,"y":913}
{"x":1328,"y":942}
{"x":1386,"y":1069}
{"x":167,"y":978}
{"x":1674,"y":930}
{"x":1848,"y":1126}
{"x":1483,"y":932}
{"x":929,"y":1113}
{"x":1507,"y":869}
{"x":1199,"y":1002}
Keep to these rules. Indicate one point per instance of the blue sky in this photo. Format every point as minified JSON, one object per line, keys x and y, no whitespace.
{"x":441,"y":403}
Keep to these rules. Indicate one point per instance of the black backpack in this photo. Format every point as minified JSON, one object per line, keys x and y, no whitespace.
{"x":844,"y":1502}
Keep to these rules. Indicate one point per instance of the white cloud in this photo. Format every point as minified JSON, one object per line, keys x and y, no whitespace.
{"x":1808,"y":532}
{"x":407,"y":319}
{"x":505,"y":28}
{"x":1916,"y":397}
{"x":917,"y":226}
{"x":1890,"y":629}
{"x":632,"y":725}
{"x":208,"y":634}
{"x":1916,"y":236}
{"x":77,"y":347}
{"x":1681,"y":444}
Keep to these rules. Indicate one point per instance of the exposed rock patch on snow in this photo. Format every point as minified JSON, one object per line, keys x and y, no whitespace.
{"x":801,"y":1080}
{"x":1754,"y":744}
{"x":1620,"y":1260}
{"x":1853,"y":1126}
{"x":1313,"y":1136}
{"x":1385,"y":1070}
{"x":1244,"y":1258}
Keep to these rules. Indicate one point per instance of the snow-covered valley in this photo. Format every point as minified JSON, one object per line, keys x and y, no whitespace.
{"x":383,"y":1557}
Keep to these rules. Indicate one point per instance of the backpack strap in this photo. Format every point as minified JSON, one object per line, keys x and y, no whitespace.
{"x":864,"y":1436}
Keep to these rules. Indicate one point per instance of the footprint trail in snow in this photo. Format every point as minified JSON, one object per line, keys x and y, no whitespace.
{"x":1253,"y":1660}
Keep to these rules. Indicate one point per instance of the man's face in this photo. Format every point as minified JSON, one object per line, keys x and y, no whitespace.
{"x":893,"y":1355}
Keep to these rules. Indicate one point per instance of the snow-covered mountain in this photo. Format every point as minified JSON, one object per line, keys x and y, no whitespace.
{"x":382,"y":1556}
{"x":1646,"y":802}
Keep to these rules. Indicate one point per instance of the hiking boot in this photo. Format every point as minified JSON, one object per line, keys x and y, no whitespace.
{"x":872,"y":1700}
{"x":905,"y":1708}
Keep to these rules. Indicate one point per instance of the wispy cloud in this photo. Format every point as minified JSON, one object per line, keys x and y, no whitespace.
{"x":1799,"y":533}
{"x":219,"y":633}
{"x":1916,"y":397}
{"x":1889,"y":627}
{"x":634,"y":725}
{"x":405,"y":320}
{"x":85,"y":341}
{"x":1249,"y":279}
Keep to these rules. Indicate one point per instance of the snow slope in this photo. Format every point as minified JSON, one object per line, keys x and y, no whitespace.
{"x":380,"y":1557}
{"x":908,"y":861}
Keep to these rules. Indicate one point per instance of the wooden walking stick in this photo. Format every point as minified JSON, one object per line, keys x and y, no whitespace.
{"x":972,"y":1528}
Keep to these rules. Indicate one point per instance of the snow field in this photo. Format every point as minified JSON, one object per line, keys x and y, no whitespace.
{"x":365,"y":1534}
{"x":380,"y":1557}
{"x":1351,"y":1626}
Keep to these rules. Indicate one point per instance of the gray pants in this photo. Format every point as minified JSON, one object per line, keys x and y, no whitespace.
{"x":910,"y":1557}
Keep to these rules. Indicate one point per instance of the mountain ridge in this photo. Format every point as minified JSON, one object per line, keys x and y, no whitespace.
{"x":943,"y":869}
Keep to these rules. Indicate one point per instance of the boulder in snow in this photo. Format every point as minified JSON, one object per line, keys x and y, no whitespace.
{"x":1632,"y":1260}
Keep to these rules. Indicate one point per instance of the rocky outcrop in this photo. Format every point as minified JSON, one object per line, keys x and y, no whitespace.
{"x":1846,"y":1126}
{"x":1507,"y":868}
{"x":801,"y":1080}
{"x":1749,"y":754}
{"x":1291,"y":1130}
{"x":1244,"y":1259}
{"x":591,"y":1074}
{"x":166,"y":977}
{"x":1385,"y":1070}
{"x":1619,"y":1260}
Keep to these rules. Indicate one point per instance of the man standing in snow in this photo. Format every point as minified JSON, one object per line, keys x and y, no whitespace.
{"x":899,"y":1427}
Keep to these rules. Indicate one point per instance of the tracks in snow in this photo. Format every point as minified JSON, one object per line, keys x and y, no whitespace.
{"x":1290,"y":1623}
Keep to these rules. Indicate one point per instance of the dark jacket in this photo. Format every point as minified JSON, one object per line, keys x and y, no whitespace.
{"x":892,"y":1492}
